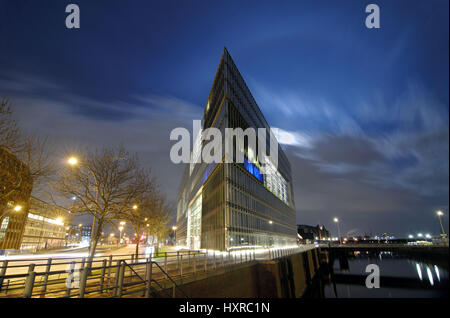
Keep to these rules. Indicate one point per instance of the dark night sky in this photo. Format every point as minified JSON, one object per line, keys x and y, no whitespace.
{"x":364,"y":113}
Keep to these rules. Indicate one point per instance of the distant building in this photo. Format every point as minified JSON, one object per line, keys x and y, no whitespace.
{"x":45,"y":226}
{"x":313,"y":233}
{"x":85,"y":233}
{"x":15,"y":190}
{"x":224,"y":206}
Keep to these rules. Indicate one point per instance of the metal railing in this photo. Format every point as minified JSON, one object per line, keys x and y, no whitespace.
{"x":154,"y":275}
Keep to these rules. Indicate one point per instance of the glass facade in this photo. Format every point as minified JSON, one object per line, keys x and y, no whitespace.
{"x":233,"y":205}
{"x":45,"y":226}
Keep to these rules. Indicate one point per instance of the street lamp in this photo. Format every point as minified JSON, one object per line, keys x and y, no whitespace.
{"x":120,"y":236}
{"x":72,"y":161}
{"x":17,"y":208}
{"x":174,"y":229}
{"x":440,"y":214}
{"x":336,"y":220}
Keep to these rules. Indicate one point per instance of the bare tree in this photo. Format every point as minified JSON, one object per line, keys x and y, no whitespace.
{"x":142,"y":196}
{"x":101,"y":182}
{"x":32,"y":151}
{"x":9,"y":132}
{"x":157,"y":225}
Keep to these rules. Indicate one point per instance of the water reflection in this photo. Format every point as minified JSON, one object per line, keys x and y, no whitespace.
{"x":430,"y":276}
{"x":419,"y":271}
{"x":436,"y":270}
{"x":401,"y":276}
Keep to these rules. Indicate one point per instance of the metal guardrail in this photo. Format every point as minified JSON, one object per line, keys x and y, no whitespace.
{"x":118,"y":275}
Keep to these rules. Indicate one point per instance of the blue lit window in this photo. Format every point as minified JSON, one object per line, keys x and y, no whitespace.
{"x":250,"y":167}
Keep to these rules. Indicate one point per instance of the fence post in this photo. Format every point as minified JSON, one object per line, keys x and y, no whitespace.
{"x":222,"y":261}
{"x":83,"y":280}
{"x":116,"y":281}
{"x":102,"y":276}
{"x":132,"y":258}
{"x":109,"y":270}
{"x":83,"y":261}
{"x":181,"y":267}
{"x":121,"y":278}
{"x":47,"y":270}
{"x":69,"y":278}
{"x":214,"y":258}
{"x":3,"y":273}
{"x":149,"y":278}
{"x":205,"y":261}
{"x":29,"y":283}
{"x":254,"y":255}
{"x":165,"y":261}
{"x":6,"y":287}
{"x":189,"y":257}
{"x":195,"y":263}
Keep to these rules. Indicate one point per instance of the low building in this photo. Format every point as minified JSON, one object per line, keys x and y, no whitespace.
{"x":313,"y":233}
{"x":45,"y":226}
{"x":16,"y":185}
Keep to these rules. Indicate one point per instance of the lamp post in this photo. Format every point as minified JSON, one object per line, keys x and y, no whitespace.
{"x":440,"y":214}
{"x":73,"y":161}
{"x":336,"y":220}
{"x":174,"y":229}
{"x":121,"y":227}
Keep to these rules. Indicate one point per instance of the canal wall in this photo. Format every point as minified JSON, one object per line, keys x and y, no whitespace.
{"x":284,"y":277}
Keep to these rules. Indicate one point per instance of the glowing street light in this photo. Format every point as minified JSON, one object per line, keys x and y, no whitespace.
{"x":410,"y":236}
{"x":120,"y":229}
{"x":17,"y":208}
{"x":440,"y":214}
{"x":419,"y":235}
{"x":135,"y":207}
{"x":174,"y":229}
{"x":72,"y":161}
{"x":270,"y":222}
{"x":336,"y":220}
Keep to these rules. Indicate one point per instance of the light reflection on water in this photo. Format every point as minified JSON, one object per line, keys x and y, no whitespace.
{"x":435,"y":284}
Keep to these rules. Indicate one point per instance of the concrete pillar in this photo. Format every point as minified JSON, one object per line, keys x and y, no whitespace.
{"x":148,"y":278}
{"x":29,"y":282}
{"x":47,"y":270}
{"x":121,"y":280}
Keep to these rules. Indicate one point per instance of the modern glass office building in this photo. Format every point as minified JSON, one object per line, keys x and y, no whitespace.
{"x":224,"y":206}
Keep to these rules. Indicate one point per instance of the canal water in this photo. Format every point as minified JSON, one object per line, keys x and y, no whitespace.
{"x":406,"y":276}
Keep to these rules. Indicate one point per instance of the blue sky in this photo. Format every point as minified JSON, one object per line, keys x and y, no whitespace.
{"x":364,"y":112}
